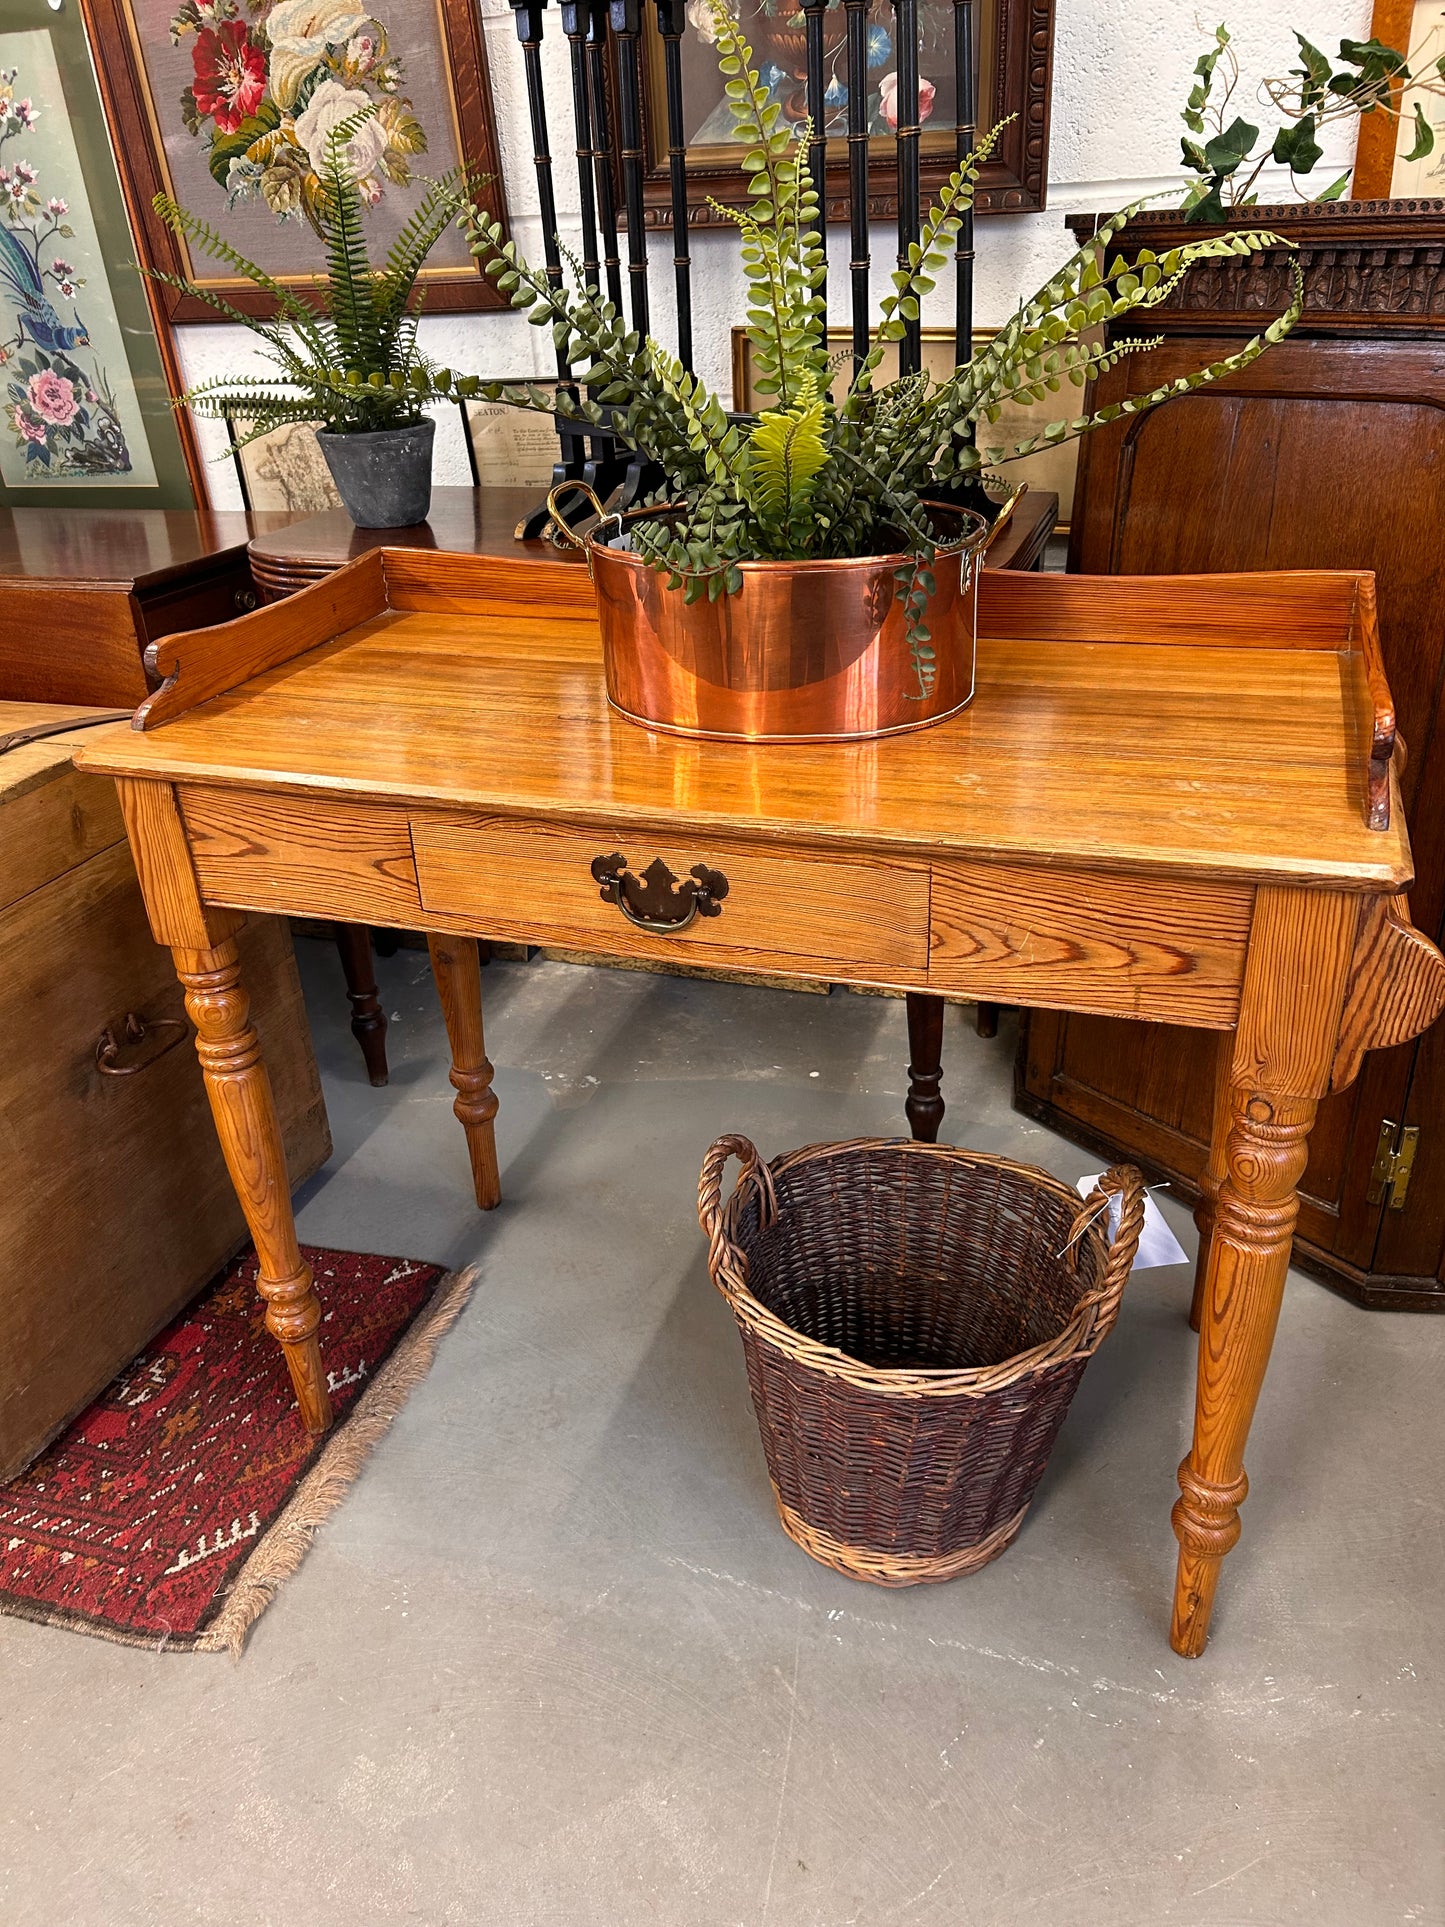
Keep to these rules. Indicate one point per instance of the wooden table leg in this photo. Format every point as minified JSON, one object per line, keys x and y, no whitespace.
{"x":456,"y":965}
{"x":250,"y":1134}
{"x":201,"y":941}
{"x":923,"y":1106}
{"x":1294,"y":988}
{"x":368,"y":1019}
{"x":1212,"y":1177}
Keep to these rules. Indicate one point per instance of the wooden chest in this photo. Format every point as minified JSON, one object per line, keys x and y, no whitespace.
{"x":116,"y":1206}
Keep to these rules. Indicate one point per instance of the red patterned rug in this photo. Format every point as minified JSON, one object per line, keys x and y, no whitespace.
{"x":171,"y":1510}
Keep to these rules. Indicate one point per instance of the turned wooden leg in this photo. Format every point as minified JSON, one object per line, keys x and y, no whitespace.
{"x":368,"y":1019}
{"x":457,"y":968}
{"x":245,"y":1114}
{"x":1212,"y":1177}
{"x":1289,"y":1017}
{"x":986,"y":1020}
{"x":923,"y":1106}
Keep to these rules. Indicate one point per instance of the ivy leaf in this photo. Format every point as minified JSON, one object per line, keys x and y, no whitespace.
{"x":1296,"y":147}
{"x":1227,"y":150}
{"x":1314,"y":73}
{"x":1424,"y":137}
{"x":1335,"y":189}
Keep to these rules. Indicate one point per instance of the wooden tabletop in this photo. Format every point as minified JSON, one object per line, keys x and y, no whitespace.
{"x":1089,"y":747}
{"x":119,"y":548}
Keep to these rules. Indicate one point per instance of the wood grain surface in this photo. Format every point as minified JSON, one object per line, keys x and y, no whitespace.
{"x":1085,"y":940}
{"x":1236,"y":759}
{"x":533,"y":881}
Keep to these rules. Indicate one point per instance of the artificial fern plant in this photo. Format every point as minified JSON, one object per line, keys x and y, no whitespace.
{"x":345,"y":349}
{"x":818,"y":473}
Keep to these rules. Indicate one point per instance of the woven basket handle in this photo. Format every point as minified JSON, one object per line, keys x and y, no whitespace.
{"x":1102,"y":1304}
{"x":723,"y":1257}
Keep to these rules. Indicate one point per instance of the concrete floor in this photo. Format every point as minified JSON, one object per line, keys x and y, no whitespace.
{"x":552,"y":1664}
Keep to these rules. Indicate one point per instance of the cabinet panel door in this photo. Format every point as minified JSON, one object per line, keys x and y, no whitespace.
{"x":1325,"y":453}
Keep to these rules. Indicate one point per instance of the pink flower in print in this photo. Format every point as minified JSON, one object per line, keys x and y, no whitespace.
{"x":67,"y":288}
{"x":57,"y":207}
{"x":25,"y":173}
{"x":888,"y":99}
{"x":52,"y":397}
{"x":60,"y":267}
{"x":26,"y":114}
{"x":33,"y":431}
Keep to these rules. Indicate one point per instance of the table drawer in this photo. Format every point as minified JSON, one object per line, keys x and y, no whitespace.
{"x":535,"y":883}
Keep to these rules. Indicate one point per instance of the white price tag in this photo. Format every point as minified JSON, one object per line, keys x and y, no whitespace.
{"x":1157,"y":1243}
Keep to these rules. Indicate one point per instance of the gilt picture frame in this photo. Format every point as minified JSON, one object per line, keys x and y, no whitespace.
{"x":1015,"y":40}
{"x":86,"y":374}
{"x":225,"y":106}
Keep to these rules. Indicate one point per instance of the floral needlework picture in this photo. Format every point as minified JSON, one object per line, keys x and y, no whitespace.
{"x":70,"y":411}
{"x":244,"y":95}
{"x":267,"y":87}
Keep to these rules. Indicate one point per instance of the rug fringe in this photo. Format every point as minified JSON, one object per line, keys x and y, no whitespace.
{"x":285,"y":1545}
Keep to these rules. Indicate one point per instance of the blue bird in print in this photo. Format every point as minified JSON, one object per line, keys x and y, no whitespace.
{"x":20,"y":278}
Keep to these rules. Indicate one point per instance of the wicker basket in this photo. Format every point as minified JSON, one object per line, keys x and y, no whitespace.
{"x":915,"y":1319}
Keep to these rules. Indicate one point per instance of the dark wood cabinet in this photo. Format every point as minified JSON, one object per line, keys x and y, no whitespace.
{"x":1328,"y":452}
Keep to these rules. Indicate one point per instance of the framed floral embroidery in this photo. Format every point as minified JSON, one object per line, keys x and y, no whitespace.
{"x":227,"y":104}
{"x":85,"y":413}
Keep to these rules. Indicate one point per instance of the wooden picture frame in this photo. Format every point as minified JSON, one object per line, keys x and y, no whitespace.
{"x":1051,"y":469}
{"x":1381,"y":171}
{"x":443,"y":89}
{"x":1016,"y":41}
{"x":87,"y":363}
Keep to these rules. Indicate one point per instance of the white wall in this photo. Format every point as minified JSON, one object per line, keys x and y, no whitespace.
{"x":1122,"y":69}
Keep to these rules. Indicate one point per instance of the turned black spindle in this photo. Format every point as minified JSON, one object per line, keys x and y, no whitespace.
{"x":574,"y":25}
{"x":813,"y":12}
{"x":602,"y":145}
{"x":910,"y":132}
{"x":529,"y":31}
{"x":670,"y":19}
{"x":626,"y":19}
{"x":856,"y":12}
{"x":965,"y":78}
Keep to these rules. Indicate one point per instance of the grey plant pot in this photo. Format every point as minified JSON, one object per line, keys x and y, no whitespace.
{"x":383,"y":474}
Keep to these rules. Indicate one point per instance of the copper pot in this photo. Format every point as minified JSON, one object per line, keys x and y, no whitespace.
{"x":808,"y":651}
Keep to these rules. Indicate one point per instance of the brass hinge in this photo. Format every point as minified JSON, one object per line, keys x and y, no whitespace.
{"x":1394,"y":1161}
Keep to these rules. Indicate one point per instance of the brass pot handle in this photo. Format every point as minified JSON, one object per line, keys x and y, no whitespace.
{"x":655,"y":900}
{"x":136,"y":1032}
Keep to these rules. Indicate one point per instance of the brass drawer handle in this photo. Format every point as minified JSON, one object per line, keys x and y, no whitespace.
{"x":655,"y":900}
{"x":136,"y":1033}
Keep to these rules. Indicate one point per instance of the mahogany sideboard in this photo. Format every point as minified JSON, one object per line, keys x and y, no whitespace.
{"x":85,"y":591}
{"x":1170,"y":799}
{"x":1327,"y":452}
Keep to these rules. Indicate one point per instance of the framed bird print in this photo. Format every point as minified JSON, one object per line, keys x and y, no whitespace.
{"x":85,"y":414}
{"x":227,"y":106}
